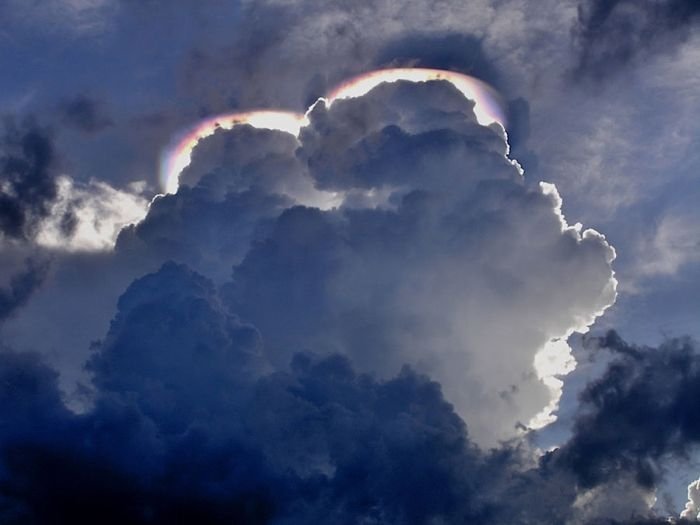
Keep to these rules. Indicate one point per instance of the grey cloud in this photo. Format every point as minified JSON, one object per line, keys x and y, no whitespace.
{"x":451,"y":51}
{"x":182,"y":427}
{"x":28,"y":183}
{"x":612,"y":33}
{"x":85,"y":114}
{"x":21,"y":286}
{"x":423,"y":278}
{"x":640,"y":411}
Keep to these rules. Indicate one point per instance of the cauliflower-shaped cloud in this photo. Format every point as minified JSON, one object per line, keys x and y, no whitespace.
{"x":432,"y":250}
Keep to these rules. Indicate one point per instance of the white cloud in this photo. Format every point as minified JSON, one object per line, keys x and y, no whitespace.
{"x":692,"y":507}
{"x":621,"y":499}
{"x":98,"y":213}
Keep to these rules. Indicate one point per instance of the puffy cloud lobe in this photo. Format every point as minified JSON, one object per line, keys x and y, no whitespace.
{"x":402,"y":134}
{"x":457,"y":263}
{"x":201,"y":228}
{"x":692,"y":509}
{"x":246,"y":158}
{"x":611,"y":33}
{"x":175,"y":349}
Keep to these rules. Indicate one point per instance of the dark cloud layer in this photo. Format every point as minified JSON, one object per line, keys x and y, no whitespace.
{"x":28,"y":183}
{"x":641,"y":410}
{"x":316,"y":442}
{"x":188,"y":425}
{"x":334,"y":376}
{"x":613,"y":33}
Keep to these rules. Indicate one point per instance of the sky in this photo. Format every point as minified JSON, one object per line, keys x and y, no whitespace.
{"x":373,"y":262}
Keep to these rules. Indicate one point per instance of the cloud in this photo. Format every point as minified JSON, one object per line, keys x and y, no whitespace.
{"x":63,"y":17}
{"x":188,"y":421}
{"x":21,"y":287}
{"x":672,"y":245}
{"x":85,"y":114}
{"x":640,"y":412}
{"x":692,"y":509}
{"x":436,"y":243}
{"x":28,"y":183}
{"x":613,"y":33}
{"x":90,"y":216}
{"x":190,"y":404}
{"x":450,"y":51}
{"x":173,"y":345}
{"x":39,"y":205}
{"x":426,"y":277}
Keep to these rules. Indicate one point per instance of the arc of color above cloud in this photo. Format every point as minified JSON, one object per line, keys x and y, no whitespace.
{"x":487,"y":108}
{"x":179,"y":155}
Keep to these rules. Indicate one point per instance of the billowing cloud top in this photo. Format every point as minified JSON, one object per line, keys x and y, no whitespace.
{"x":488,"y":109}
{"x":418,"y":241}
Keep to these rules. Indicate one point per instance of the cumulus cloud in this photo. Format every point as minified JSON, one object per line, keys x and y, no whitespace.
{"x":692,"y":509}
{"x":438,"y":254}
{"x":411,"y":311}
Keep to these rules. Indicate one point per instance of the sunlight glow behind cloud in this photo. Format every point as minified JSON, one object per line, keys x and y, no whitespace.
{"x":487,"y":108}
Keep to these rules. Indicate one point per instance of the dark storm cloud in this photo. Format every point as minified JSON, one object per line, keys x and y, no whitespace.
{"x":21,"y":287}
{"x":28,"y":183}
{"x":196,"y":412}
{"x":85,"y":113}
{"x":188,"y":425}
{"x":425,"y":187}
{"x":641,"y":410}
{"x":611,"y":33}
{"x":182,"y":430}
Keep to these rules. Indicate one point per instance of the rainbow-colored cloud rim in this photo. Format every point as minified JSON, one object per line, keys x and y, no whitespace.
{"x":488,"y":110}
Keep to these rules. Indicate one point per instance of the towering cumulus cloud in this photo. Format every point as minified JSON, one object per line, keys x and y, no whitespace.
{"x":440,"y":254}
{"x":351,"y":320}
